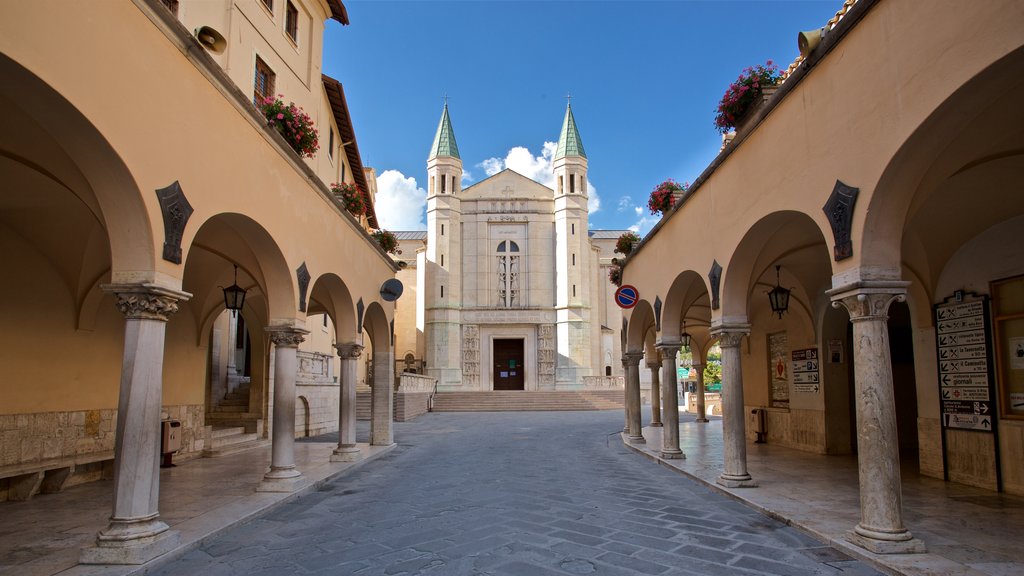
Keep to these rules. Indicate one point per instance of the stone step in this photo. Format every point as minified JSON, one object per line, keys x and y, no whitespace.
{"x":216,"y":451}
{"x":518,"y":400}
{"x":238,"y":437}
{"x":222,"y":431}
{"x":233,"y":408}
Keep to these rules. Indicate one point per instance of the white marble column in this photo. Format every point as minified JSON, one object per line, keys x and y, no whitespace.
{"x":382,"y":398}
{"x":655,"y":366}
{"x":881,"y":528}
{"x":734,"y":433}
{"x":347,"y":450}
{"x":670,"y":401}
{"x":702,"y":407}
{"x":635,"y":433}
{"x":283,"y":476}
{"x":136,"y":534}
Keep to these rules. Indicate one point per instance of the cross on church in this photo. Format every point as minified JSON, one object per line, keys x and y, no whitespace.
{"x":568,"y":98}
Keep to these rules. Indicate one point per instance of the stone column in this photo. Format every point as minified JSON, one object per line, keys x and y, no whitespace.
{"x":632,"y":363}
{"x":625,"y":392}
{"x":670,"y":401}
{"x":232,"y":368}
{"x":382,"y":398}
{"x":655,"y":366}
{"x":881,"y":528}
{"x":283,"y":476}
{"x":136,"y":534}
{"x":702,"y":407}
{"x":347,"y":451}
{"x":733,"y":422}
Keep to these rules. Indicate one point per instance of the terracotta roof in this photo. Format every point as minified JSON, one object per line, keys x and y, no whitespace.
{"x":336,"y":96}
{"x":338,"y":11}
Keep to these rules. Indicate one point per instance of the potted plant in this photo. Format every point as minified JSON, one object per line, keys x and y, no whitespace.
{"x":625,"y":244}
{"x":665,"y":195}
{"x":615,"y":275}
{"x":293,"y":124}
{"x":387,"y":241}
{"x":754,"y":85}
{"x":351,"y":197}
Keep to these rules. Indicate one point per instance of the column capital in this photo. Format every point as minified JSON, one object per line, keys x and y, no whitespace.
{"x":146,"y":301}
{"x":654,"y":363}
{"x":869,"y":300}
{"x":350,"y":350}
{"x":286,"y":336}
{"x":631,"y":358}
{"x":730,"y":336}
{"x":668,"y":350}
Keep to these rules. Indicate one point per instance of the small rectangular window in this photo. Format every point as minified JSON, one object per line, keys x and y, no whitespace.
{"x":442,"y":259}
{"x":453,"y":183}
{"x":442,"y":229}
{"x":443,"y":182}
{"x":572,"y":184}
{"x":263,"y":83}
{"x":573,"y":290}
{"x":291,"y":22}
{"x":442,"y":290}
{"x":330,"y":144}
{"x":573,"y":259}
{"x":573,"y":229}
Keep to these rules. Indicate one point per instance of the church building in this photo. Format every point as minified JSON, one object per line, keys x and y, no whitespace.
{"x":511,"y":285}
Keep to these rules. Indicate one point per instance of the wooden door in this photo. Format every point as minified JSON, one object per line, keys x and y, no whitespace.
{"x":508,"y":364}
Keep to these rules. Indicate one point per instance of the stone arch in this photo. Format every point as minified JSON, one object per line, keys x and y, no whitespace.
{"x":50,"y":142}
{"x":964,"y":138}
{"x":330,"y":295}
{"x":641,"y":319}
{"x":687,"y":299}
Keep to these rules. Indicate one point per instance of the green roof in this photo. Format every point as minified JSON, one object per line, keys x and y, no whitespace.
{"x":444,"y":140}
{"x":569,"y":142}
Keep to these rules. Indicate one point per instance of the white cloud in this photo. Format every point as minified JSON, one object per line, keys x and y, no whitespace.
{"x":466,"y":177}
{"x":644,"y":219}
{"x":401,"y":204}
{"x":536,"y":168}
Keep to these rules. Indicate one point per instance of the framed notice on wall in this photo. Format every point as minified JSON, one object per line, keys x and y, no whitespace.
{"x":1008,"y":317}
{"x":962,"y":339}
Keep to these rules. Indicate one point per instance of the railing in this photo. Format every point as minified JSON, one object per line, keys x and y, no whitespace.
{"x":603,"y":382}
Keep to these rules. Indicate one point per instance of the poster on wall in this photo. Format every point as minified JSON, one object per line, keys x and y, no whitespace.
{"x":962,"y":340}
{"x":805,"y":371}
{"x":1016,"y":353}
{"x":778,"y":372}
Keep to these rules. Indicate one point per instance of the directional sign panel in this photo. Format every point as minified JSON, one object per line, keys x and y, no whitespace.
{"x":805,"y":370}
{"x":962,"y":340}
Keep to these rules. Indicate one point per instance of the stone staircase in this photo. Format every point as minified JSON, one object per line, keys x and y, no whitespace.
{"x":234,"y":428}
{"x":522,"y":401}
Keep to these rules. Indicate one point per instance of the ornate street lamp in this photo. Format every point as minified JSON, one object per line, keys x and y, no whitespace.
{"x":779,"y":296}
{"x":234,"y":296}
{"x":684,"y":338}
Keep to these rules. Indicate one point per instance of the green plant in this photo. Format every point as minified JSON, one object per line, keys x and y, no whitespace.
{"x":293,"y":124}
{"x":351,"y":196}
{"x":615,"y":275}
{"x":744,"y":93}
{"x":387,"y":240}
{"x":663,"y":196}
{"x":625,"y":244}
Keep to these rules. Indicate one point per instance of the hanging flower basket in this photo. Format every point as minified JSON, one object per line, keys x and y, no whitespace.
{"x":293,"y":124}
{"x":625,"y":244}
{"x":615,"y":275}
{"x":746,"y":94}
{"x":665,"y":196}
{"x":387,"y":241}
{"x":350,"y":196}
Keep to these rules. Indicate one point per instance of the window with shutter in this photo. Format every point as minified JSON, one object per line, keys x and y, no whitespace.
{"x":263,"y":85}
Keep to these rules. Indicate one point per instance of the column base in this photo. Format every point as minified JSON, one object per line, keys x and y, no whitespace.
{"x":281,"y":480}
{"x":656,"y":425}
{"x":636,"y":440}
{"x":673,"y":455}
{"x":135,"y":551}
{"x":346,"y":454}
{"x":736,"y":481}
{"x":885,"y":543}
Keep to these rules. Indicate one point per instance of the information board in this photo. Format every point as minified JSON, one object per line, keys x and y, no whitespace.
{"x":805,"y":370}
{"x":962,"y":340}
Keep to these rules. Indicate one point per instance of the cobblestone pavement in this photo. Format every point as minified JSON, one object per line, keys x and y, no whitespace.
{"x":520,"y":494}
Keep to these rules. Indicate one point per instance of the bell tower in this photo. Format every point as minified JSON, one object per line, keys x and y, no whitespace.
{"x":443,"y":286}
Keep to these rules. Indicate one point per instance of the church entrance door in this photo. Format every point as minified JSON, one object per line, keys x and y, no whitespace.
{"x":508,"y":364}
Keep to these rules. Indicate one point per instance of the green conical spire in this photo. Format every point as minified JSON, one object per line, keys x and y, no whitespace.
{"x":569,"y":142}
{"x":444,"y":140}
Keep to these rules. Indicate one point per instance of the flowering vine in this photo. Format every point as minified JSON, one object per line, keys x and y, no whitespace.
{"x":615,"y":274}
{"x":663,"y":197}
{"x":293,"y":124}
{"x":387,"y":240}
{"x":351,"y":196}
{"x":744,"y":93}
{"x":625,"y":244}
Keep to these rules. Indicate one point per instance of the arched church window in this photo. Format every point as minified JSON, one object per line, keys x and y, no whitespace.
{"x":572,"y":184}
{"x":508,"y":275}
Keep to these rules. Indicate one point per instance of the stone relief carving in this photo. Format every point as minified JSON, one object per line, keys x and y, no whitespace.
{"x":176,"y":211}
{"x":138,"y":305}
{"x":471,"y":356}
{"x":286,"y":338}
{"x":839,"y":209}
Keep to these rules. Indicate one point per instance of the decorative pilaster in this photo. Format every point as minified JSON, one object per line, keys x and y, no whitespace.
{"x":347,"y":450}
{"x":283,"y":476}
{"x":655,"y":367}
{"x":881,"y":528}
{"x":631,"y":360}
{"x":735,"y":474}
{"x":136,"y":534}
{"x":670,"y":401}
{"x":702,"y":407}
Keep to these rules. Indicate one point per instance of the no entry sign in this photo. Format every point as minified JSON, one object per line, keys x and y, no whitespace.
{"x":626,"y":296}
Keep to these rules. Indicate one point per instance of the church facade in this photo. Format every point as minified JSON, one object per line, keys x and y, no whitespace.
{"x":511,"y":286}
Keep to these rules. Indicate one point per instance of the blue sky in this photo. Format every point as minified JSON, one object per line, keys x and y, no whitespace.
{"x":645,"y":79}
